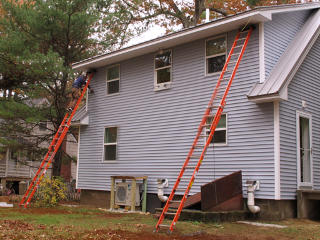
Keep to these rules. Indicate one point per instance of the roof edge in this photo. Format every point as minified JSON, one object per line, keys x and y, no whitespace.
{"x":289,"y":63}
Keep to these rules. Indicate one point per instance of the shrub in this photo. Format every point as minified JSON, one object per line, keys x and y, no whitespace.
{"x":50,"y":192}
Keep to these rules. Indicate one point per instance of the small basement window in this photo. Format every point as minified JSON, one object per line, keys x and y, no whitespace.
{"x":220,"y":134}
{"x":162,"y":67}
{"x":110,"y":143}
{"x":113,"y":79}
{"x":216,"y":52}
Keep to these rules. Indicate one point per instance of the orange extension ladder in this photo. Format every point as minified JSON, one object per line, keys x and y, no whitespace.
{"x":52,"y":150}
{"x":214,"y":109}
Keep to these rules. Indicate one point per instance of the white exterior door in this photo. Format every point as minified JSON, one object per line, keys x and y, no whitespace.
{"x":304,"y":150}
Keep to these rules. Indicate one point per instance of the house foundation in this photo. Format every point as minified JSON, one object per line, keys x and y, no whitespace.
{"x":270,"y":209}
{"x":275,"y":209}
{"x":308,"y":204}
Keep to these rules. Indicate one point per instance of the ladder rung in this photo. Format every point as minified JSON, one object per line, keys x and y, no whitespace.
{"x":189,"y":167}
{"x":164,"y":225}
{"x":175,"y":201}
{"x":204,"y":136}
{"x":239,"y":46}
{"x":232,"y":62}
{"x":199,"y":146}
{"x":214,"y":106}
{"x":169,"y":213}
{"x":240,"y":39}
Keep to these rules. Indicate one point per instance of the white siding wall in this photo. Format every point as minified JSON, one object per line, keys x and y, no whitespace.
{"x":156,"y":129}
{"x":304,"y":86}
{"x":278,"y":34}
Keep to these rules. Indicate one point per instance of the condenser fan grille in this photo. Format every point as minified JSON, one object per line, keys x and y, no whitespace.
{"x":121,"y":193}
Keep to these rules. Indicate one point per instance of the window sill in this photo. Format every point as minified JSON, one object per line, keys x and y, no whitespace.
{"x":162,"y":86}
{"x":111,"y":161}
{"x":213,"y":74}
{"x":218,"y":144}
{"x":113,"y":94}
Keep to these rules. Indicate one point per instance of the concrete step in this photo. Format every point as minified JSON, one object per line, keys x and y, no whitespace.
{"x":197,"y":215}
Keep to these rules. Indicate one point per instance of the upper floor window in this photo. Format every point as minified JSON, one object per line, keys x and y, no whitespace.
{"x":110,"y":143}
{"x":216,"y":51}
{"x":220,"y":134}
{"x":162,"y":67}
{"x":113,"y":79}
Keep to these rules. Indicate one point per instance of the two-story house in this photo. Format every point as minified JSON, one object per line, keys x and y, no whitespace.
{"x":149,"y":100}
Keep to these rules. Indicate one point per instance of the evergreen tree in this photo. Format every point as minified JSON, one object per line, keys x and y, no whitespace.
{"x":39,"y":40}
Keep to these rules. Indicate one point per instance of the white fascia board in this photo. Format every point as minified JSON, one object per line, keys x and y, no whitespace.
{"x":184,"y":36}
{"x":264,"y":99}
{"x":82,"y":122}
{"x":295,"y":7}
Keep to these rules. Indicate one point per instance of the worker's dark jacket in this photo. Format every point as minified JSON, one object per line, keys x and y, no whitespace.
{"x":79,"y":82}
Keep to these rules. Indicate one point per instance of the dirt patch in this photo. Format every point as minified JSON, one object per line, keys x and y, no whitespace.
{"x":100,"y":234}
{"x":16,"y":229}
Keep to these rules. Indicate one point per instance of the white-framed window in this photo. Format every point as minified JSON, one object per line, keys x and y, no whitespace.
{"x":113,"y":79}
{"x":216,"y":54}
{"x":220,"y":134}
{"x":110,"y":144}
{"x":163,"y":69}
{"x":304,"y":149}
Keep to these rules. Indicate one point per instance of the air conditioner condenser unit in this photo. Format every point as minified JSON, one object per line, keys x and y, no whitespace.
{"x":123,"y":194}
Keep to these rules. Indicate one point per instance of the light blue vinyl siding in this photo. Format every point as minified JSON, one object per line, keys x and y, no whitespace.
{"x":156,"y":129}
{"x":304,"y":86}
{"x":278,"y":34}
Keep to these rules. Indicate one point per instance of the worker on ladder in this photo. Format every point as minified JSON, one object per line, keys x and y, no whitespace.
{"x":77,"y":89}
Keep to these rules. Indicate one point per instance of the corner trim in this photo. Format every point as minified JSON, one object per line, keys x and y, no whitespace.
{"x":261,"y":53}
{"x":78,"y":159}
{"x":276,"y":119}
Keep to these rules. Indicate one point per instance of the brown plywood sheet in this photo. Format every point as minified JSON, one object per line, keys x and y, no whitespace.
{"x":221,"y":190}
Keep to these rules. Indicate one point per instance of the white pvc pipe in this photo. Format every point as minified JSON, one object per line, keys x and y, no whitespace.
{"x":161,"y":185}
{"x":252,"y":208}
{"x":207,"y":15}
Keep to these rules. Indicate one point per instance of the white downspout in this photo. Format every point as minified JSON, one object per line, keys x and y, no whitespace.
{"x":162,"y":183}
{"x":252,"y":186}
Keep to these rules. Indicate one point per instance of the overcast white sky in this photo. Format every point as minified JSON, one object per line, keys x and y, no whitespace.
{"x":153,"y":32}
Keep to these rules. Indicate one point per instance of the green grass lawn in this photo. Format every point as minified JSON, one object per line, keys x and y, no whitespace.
{"x":90,"y":223}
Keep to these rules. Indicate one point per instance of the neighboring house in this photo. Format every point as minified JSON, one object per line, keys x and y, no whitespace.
{"x":16,"y":166}
{"x":150,"y":98}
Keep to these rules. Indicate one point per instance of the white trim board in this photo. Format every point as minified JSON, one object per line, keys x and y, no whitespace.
{"x":78,"y":158}
{"x":261,"y":53}
{"x":276,"y":119}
